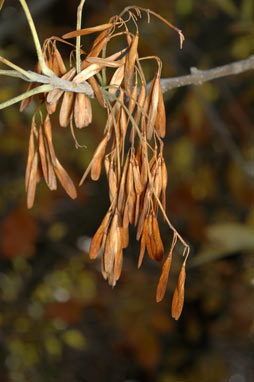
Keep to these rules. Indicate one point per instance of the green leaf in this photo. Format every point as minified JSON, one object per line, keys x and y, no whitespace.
{"x":224,"y":240}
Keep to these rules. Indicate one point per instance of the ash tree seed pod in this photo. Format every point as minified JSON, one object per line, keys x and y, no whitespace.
{"x":162,"y":285}
{"x":159,"y":248}
{"x":130,"y":63}
{"x":160,"y":121}
{"x":153,"y":106}
{"x":66,"y":109}
{"x":65,"y":180}
{"x":178,"y":297}
{"x":32,"y":182}
{"x":82,"y":110}
{"x":96,"y":241}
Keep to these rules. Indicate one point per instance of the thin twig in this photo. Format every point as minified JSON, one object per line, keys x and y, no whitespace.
{"x":78,"y":38}
{"x":15,"y":67}
{"x":198,"y":77}
{"x":38,"y":90}
{"x":44,"y":68}
{"x":12,"y":73}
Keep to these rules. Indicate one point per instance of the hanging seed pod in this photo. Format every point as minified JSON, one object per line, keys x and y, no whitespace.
{"x":96,"y":242}
{"x":122,"y":192}
{"x":112,"y":181}
{"x":59,"y":60}
{"x":112,"y":245}
{"x":86,"y":31}
{"x":82,"y":111}
{"x":124,"y":237}
{"x":116,"y":80}
{"x":48,"y":136}
{"x":31,"y":187}
{"x":178,"y":297}
{"x":133,"y":96}
{"x":164,"y":177}
{"x":65,"y":180}
{"x":31,"y":152}
{"x":140,"y":103}
{"x":98,"y":154}
{"x":158,"y":249}
{"x":66,"y":109}
{"x":118,"y":264}
{"x":43,"y":155}
{"x":162,"y":285}
{"x":130,"y":64}
{"x":136,"y":177}
{"x":142,"y":247}
{"x":153,"y":106}
{"x":97,"y":91}
{"x":160,"y":121}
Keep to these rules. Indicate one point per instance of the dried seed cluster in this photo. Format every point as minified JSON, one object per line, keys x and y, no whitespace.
{"x":131,"y":148}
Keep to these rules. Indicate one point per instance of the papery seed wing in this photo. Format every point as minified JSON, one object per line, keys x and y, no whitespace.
{"x":160,"y":121}
{"x":99,"y":153}
{"x":97,"y":91}
{"x":142,"y":248}
{"x":178,"y":297}
{"x":82,"y":111}
{"x":31,"y":188}
{"x":112,"y":245}
{"x":97,"y":159}
{"x":140,"y":103}
{"x":116,"y":80}
{"x":153,"y":106}
{"x":162,"y":285}
{"x":88,"y":72}
{"x":86,"y":31}
{"x":118,"y":264}
{"x":112,"y":182}
{"x":104,"y":62}
{"x":66,"y":109}
{"x":122,"y":192}
{"x":43,"y":155}
{"x":59,"y":60}
{"x":65,"y":180}
{"x":98,"y":236}
{"x":48,"y":136}
{"x":31,"y":152}
{"x":130,"y":63}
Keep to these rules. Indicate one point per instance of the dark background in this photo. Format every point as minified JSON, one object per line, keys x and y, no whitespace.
{"x":59,"y":320}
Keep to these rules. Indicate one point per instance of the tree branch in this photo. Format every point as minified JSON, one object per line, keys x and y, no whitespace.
{"x":198,"y":77}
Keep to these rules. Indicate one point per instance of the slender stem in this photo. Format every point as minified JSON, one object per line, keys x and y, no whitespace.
{"x":15,"y":67}
{"x":12,"y":73}
{"x":44,"y":68}
{"x":104,"y":76}
{"x":78,"y":38}
{"x":39,"y":89}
